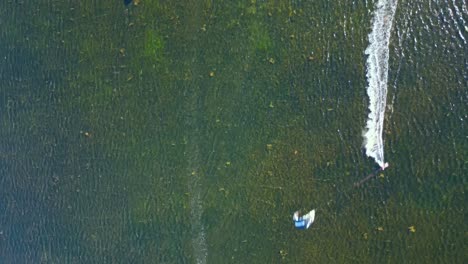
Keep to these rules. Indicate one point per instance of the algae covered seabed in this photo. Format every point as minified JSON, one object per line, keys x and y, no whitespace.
{"x":190,"y":131}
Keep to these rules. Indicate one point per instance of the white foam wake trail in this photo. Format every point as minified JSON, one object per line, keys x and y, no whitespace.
{"x":198,"y":229}
{"x":377,"y":75}
{"x":199,"y":245}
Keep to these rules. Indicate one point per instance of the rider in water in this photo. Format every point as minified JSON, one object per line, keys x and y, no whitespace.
{"x":303,"y":222}
{"x":384,"y":166}
{"x":299,"y":222}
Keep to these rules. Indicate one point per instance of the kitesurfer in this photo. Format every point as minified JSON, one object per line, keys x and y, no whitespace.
{"x":384,"y":166}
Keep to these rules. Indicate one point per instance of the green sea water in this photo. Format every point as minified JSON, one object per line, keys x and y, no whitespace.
{"x":190,"y":131}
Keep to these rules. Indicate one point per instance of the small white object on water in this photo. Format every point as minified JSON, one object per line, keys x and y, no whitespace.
{"x":385,"y":166}
{"x":305,"y":221}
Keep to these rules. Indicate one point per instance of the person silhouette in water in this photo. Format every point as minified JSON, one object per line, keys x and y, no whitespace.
{"x":303,"y":222}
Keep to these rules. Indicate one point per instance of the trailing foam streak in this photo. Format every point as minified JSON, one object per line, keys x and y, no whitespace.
{"x":377,"y":75}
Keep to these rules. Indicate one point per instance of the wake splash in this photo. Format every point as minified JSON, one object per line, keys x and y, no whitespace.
{"x":377,"y":76}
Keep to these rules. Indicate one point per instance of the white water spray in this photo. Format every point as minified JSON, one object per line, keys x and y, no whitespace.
{"x":377,"y":75}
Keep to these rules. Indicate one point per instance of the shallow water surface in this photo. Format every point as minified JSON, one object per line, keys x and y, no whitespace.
{"x":190,"y":131}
